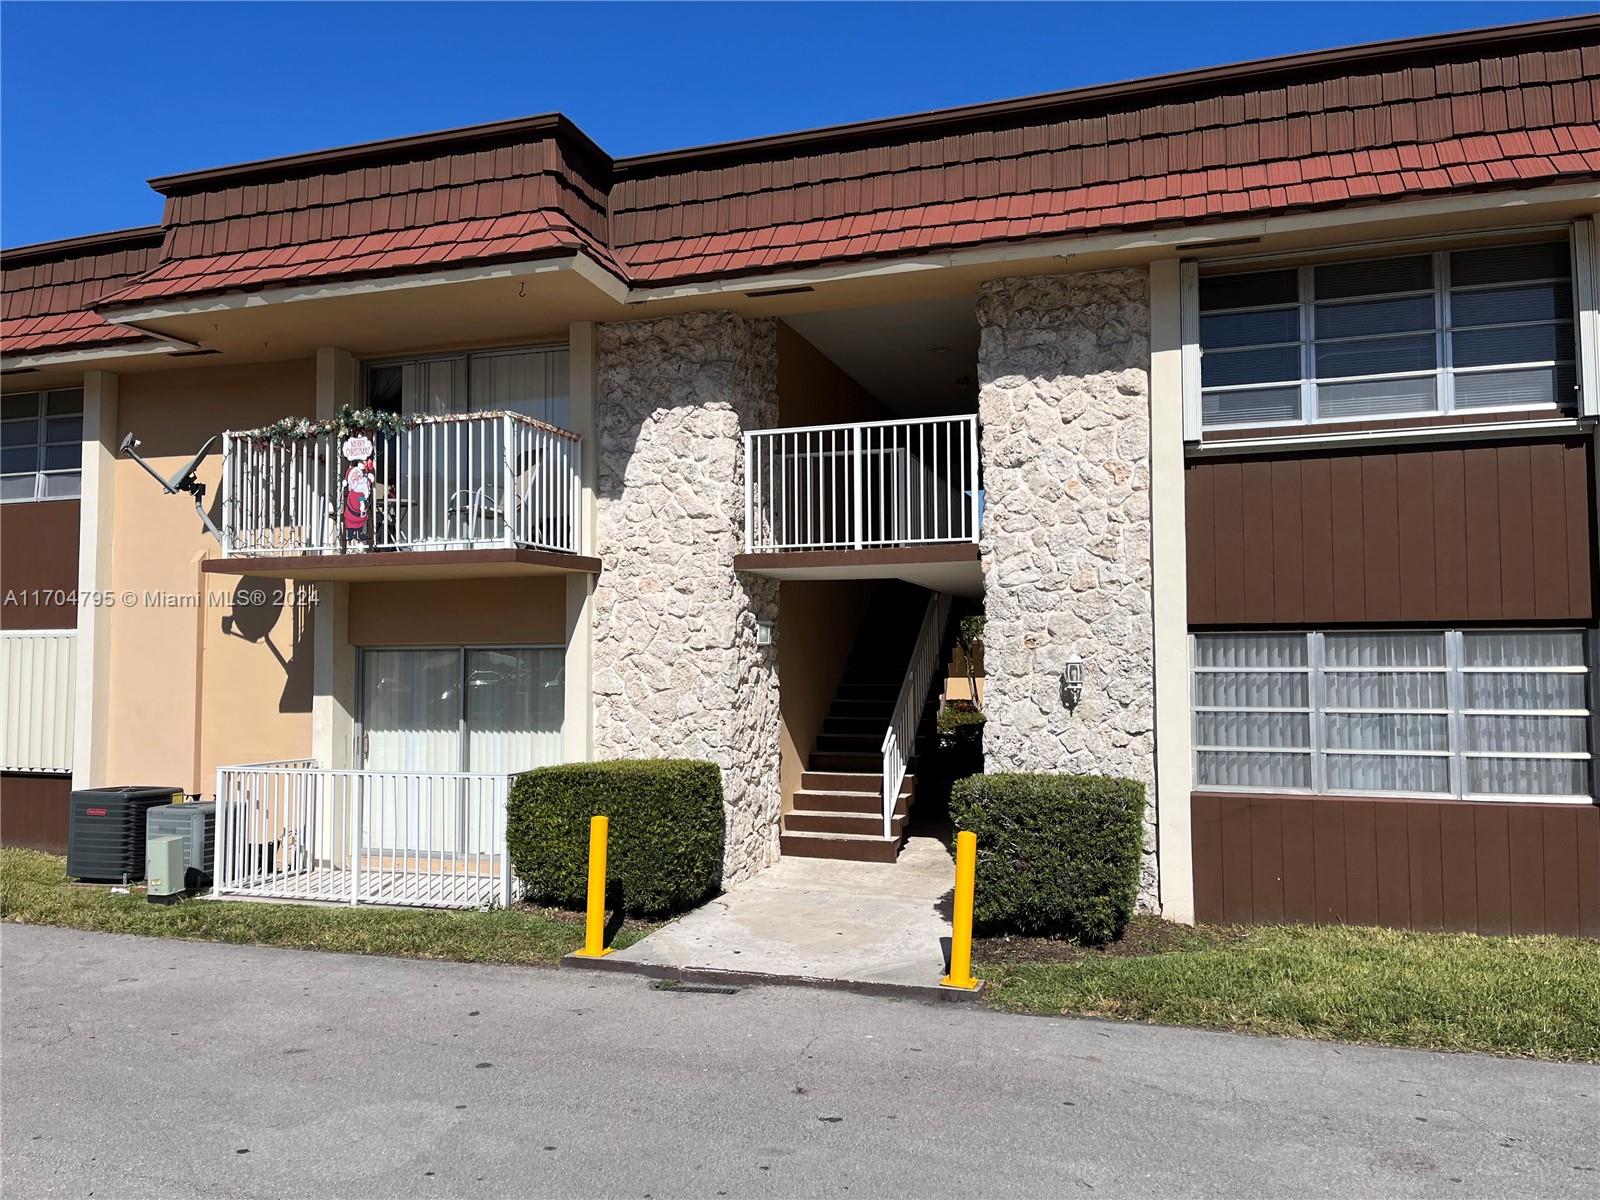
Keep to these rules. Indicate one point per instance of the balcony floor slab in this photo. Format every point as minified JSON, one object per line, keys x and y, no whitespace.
{"x":940,"y":566}
{"x":407,"y":564}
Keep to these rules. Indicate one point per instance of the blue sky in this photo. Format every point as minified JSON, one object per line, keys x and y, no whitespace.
{"x":149,"y":89}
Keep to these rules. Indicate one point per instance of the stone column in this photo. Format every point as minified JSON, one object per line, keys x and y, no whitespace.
{"x":1064,"y":400}
{"x":676,"y":667}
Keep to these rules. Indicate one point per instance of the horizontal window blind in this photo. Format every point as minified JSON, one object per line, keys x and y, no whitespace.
{"x":1474,"y":713}
{"x":1451,"y":331}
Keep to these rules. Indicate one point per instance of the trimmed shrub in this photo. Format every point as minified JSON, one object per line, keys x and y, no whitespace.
{"x":664,"y":850}
{"x":1058,"y":855}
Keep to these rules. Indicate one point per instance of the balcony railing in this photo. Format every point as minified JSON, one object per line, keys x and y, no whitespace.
{"x":469,"y":480}
{"x":292,"y":831}
{"x":853,"y":487}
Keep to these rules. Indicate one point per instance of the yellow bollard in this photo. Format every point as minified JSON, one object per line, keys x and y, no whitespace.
{"x":961,"y":927}
{"x":595,"y":925}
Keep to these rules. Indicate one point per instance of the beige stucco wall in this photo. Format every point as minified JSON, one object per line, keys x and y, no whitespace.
{"x":817,"y":625}
{"x":213,"y":676}
{"x":459,"y":612}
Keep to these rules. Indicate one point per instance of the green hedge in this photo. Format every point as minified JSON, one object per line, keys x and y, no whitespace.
{"x":1058,"y":855}
{"x":665,"y":842}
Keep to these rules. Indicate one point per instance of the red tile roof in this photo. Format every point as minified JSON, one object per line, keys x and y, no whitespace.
{"x":49,"y":290}
{"x":1475,"y":116}
{"x":1504,"y":108}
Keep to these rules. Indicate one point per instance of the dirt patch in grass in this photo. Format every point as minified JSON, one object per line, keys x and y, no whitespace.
{"x":1144,"y":935}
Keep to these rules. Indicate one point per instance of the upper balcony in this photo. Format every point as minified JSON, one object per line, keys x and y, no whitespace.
{"x":875,"y":499}
{"x":457,"y":495}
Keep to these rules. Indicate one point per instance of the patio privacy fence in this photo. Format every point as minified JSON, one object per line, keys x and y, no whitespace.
{"x":295,"y":831}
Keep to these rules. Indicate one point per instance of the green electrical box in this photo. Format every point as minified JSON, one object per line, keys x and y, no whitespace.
{"x":163,"y":869}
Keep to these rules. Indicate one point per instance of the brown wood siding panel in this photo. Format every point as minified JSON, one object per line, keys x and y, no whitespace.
{"x":1380,"y":532}
{"x":1360,"y":863}
{"x":1517,"y":535}
{"x":1480,"y":471}
{"x":1547,"y":467}
{"x":1266,"y":863}
{"x":1236,"y":875}
{"x":1205,"y":826}
{"x":1422,"y":534}
{"x":1299,"y":861}
{"x":1458,"y":866}
{"x":1589,"y":872}
{"x":1581,"y":535}
{"x":1288,"y":543}
{"x":1198,"y":488}
{"x":1392,"y":839}
{"x":1473,"y":866}
{"x":1227,"y":549}
{"x":1349,"y":551}
{"x":39,"y":564}
{"x":1560,"y":874}
{"x":1316,"y":525}
{"x":1415,"y":536}
{"x":1525,"y":869}
{"x":1255,"y":488}
{"x":33,"y":811}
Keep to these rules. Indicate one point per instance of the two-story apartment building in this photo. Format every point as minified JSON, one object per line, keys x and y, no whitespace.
{"x":1264,"y":396}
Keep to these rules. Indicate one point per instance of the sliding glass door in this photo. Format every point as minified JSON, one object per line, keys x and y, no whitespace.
{"x":494,"y":710}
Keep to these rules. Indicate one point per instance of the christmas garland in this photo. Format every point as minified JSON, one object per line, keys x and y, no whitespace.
{"x":342,"y":424}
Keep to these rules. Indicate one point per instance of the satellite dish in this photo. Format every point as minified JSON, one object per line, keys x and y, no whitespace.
{"x":183,"y":480}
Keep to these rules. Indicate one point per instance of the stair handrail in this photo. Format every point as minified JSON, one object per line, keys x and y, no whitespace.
{"x":899,"y":740}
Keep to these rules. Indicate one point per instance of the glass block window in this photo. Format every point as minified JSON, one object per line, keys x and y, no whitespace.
{"x":41,"y":445}
{"x":1416,"y":334}
{"x":1474,"y":714}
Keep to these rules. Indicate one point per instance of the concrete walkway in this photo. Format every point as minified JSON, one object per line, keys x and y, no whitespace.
{"x":874,"y":925}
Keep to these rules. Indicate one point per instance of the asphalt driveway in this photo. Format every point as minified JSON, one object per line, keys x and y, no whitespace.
{"x":155,"y":1068}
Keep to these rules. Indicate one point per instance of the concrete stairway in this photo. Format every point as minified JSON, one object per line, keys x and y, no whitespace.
{"x":838,"y":810}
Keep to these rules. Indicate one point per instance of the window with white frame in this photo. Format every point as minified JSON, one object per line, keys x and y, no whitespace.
{"x":1479,"y":713}
{"x":41,"y":445}
{"x":1473,"y":329}
{"x":530,"y":381}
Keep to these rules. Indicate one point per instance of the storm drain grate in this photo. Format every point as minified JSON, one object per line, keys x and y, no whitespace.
{"x":702,"y":989}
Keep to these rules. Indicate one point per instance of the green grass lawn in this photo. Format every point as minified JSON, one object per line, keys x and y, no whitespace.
{"x":1537,"y":997}
{"x":34,"y":890}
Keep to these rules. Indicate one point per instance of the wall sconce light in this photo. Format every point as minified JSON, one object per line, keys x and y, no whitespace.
{"x":766,"y":631}
{"x":1072,"y":681}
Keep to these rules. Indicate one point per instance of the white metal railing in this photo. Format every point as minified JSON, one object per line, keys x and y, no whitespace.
{"x":875,"y":483}
{"x":445,"y":482}
{"x":900,"y":739}
{"x":294,"y":831}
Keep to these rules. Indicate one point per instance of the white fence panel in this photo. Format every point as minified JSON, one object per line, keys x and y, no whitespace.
{"x":38,"y":683}
{"x":298,"y":832}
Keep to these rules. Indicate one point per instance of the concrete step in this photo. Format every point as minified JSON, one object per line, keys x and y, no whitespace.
{"x":877,"y":709}
{"x":857,"y":726}
{"x":851,"y":761}
{"x":867,"y":824}
{"x":811,"y":800}
{"x":850,"y":743}
{"x":870,"y":782}
{"x":849,"y":846}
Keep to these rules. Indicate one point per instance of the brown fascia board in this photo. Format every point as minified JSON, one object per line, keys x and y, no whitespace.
{"x":89,"y":243}
{"x":441,"y":141}
{"x":1500,"y":37}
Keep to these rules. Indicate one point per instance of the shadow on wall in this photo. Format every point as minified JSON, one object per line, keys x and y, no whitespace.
{"x":258,"y":605}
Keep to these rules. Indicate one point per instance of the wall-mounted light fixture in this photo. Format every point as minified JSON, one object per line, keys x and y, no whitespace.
{"x":766,"y":631}
{"x":1072,"y":681}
